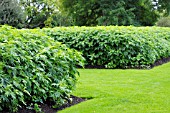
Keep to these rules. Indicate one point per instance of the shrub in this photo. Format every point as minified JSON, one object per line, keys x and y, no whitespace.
{"x":164,"y":22}
{"x":115,"y":46}
{"x":34,"y":68}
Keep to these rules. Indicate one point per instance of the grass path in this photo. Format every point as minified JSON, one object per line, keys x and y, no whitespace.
{"x":123,"y":91}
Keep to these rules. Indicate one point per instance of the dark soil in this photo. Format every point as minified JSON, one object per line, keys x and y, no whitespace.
{"x":161,"y":61}
{"x":47,"y":107}
{"x":157,"y":63}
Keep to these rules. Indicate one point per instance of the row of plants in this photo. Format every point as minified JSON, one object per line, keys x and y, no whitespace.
{"x":34,"y":69}
{"x":116,"y":46}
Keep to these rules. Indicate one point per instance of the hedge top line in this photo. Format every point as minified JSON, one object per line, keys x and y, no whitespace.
{"x":113,"y":29}
{"x":153,"y":28}
{"x":116,"y":46}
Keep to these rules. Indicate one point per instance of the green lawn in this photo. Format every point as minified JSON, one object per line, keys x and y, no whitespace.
{"x":123,"y":91}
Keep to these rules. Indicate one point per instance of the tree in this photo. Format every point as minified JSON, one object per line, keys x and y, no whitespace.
{"x":98,"y":12}
{"x":37,"y":12}
{"x":115,"y":13}
{"x":82,"y":11}
{"x":110,"y":12}
{"x":11,"y":13}
{"x":163,"y":6}
{"x":50,"y":13}
{"x":43,"y":13}
{"x":144,"y":11}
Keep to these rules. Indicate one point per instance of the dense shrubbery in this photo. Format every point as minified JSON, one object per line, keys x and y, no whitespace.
{"x":164,"y":22}
{"x":34,"y":68}
{"x":114,"y":46}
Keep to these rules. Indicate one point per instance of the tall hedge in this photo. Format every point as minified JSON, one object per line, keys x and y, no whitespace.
{"x":34,"y":68}
{"x":116,"y":46}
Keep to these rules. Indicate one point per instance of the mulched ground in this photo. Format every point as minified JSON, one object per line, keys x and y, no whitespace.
{"x":47,"y":108}
{"x":160,"y":62}
{"x":157,"y":63}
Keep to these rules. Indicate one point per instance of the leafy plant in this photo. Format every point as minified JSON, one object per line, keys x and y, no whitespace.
{"x":116,"y":46}
{"x":37,"y":109}
{"x":34,"y":68}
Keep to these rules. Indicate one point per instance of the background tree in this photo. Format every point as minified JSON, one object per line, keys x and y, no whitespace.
{"x":144,"y":11}
{"x":43,"y":13}
{"x":97,"y":12}
{"x":37,"y":12}
{"x":115,"y":13}
{"x":11,"y":13}
{"x":110,"y":12}
{"x":163,"y":6}
{"x":51,"y":13}
{"x":83,"y":12}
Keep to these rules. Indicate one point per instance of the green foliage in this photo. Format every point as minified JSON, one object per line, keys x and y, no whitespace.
{"x":37,"y":109}
{"x":59,"y":19}
{"x":144,"y":11}
{"x":51,"y":13}
{"x":43,"y":13}
{"x":163,"y":6}
{"x":110,"y":12}
{"x":37,"y":11}
{"x":115,"y":46}
{"x":11,"y":13}
{"x":34,"y":68}
{"x":164,"y":22}
{"x":98,"y":12}
{"x":115,"y":13}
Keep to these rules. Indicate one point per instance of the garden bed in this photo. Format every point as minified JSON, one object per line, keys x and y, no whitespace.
{"x":47,"y":107}
{"x":157,"y":63}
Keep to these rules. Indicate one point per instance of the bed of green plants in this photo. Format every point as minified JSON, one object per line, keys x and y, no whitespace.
{"x":123,"y":91}
{"x":34,"y":68}
{"x":116,"y":46}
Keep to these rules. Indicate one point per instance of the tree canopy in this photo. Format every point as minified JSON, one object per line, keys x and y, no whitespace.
{"x":164,"y":6}
{"x":11,"y":13}
{"x":110,"y":12}
{"x":50,"y":13}
{"x":39,"y":12}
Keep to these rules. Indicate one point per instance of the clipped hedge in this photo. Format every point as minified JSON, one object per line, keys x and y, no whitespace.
{"x":116,"y":46}
{"x":34,"y":68}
